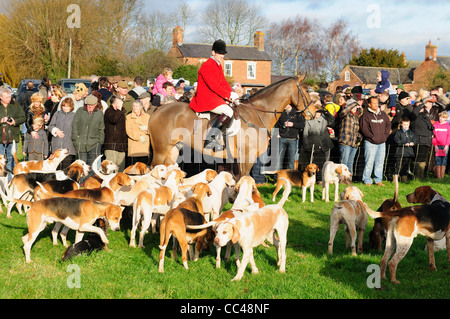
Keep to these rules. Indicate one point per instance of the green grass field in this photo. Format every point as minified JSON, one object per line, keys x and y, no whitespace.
{"x":125,"y":272}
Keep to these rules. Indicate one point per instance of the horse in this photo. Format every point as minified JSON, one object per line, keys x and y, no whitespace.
{"x":173,"y":126}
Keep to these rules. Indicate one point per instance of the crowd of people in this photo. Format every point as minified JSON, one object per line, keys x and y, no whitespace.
{"x":409,"y":131}
{"x":106,"y":118}
{"x":395,"y":132}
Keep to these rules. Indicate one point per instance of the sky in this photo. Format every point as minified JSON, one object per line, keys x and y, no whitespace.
{"x":406,"y":26}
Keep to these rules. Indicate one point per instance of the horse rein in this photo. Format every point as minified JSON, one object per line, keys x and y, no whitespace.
{"x":275,"y":112}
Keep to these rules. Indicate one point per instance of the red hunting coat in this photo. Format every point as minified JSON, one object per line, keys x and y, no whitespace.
{"x":212,"y":87}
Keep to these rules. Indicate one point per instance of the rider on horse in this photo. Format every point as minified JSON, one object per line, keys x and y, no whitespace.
{"x":213,"y":93}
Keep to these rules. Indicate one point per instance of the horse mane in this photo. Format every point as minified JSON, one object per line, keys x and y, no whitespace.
{"x":272,"y":86}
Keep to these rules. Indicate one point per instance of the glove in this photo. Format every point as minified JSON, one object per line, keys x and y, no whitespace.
{"x":393,"y":111}
{"x":143,"y":139}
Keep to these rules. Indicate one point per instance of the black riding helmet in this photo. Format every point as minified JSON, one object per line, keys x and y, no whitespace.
{"x":220,"y":47}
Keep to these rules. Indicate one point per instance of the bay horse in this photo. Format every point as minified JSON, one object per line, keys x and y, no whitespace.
{"x":172,"y":125}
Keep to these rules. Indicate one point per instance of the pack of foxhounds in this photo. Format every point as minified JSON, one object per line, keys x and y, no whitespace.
{"x":190,"y":210}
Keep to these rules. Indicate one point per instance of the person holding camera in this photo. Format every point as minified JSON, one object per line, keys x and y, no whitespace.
{"x":11,"y":117}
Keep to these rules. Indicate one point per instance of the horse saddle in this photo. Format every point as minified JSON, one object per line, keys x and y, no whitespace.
{"x":232,"y":129}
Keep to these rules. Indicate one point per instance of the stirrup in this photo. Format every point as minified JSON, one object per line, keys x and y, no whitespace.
{"x":213,"y":144}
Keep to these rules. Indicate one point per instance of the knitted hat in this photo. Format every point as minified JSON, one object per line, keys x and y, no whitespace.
{"x":403,"y":95}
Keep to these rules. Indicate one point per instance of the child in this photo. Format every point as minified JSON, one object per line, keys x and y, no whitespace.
{"x":404,"y":139}
{"x":36,"y":143}
{"x":441,"y":141}
{"x":383,"y":85}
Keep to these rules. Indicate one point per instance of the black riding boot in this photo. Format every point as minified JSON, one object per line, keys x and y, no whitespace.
{"x":212,"y":140}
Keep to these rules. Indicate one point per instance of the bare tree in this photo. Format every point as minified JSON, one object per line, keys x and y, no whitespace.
{"x":339,"y":45}
{"x":234,"y":21}
{"x":278,"y":45}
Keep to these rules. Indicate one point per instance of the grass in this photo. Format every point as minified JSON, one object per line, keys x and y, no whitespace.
{"x":311,"y":273}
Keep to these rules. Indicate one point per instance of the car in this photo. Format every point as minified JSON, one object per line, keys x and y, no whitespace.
{"x":68,"y":85}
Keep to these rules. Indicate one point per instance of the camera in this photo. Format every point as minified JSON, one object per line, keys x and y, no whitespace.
{"x":10,"y":119}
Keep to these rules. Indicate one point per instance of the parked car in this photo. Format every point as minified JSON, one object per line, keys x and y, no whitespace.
{"x":68,"y":85}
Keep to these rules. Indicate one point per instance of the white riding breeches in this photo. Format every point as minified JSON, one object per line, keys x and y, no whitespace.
{"x":223,"y":109}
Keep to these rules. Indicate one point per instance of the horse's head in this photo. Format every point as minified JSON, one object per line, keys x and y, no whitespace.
{"x":301,"y":99}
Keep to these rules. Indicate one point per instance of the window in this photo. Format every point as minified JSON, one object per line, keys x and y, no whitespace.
{"x":251,"y":70}
{"x":347,"y":76}
{"x":228,"y":68}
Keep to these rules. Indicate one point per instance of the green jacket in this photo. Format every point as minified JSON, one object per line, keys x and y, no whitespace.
{"x":12,"y":132}
{"x":88,"y":130}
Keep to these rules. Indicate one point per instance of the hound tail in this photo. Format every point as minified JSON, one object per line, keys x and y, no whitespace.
{"x":286,"y":192}
{"x":14,"y":151}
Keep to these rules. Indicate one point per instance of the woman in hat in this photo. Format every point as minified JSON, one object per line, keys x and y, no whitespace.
{"x":213,"y":92}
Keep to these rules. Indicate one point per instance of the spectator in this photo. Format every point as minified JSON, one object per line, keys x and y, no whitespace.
{"x":104,"y":85}
{"x":116,"y":140}
{"x":413,"y":96}
{"x":441,"y":142}
{"x":35,"y":146}
{"x":145,"y":100}
{"x":138,"y":87}
{"x":166,"y":76}
{"x":290,"y":124}
{"x":122,"y":93}
{"x":317,"y":142}
{"x":12,"y":116}
{"x":45,"y":88}
{"x":138,"y":136}
{"x":383,"y":85}
{"x":440,"y":95}
{"x":51,"y":106}
{"x":375,"y":128}
{"x":423,"y":128}
{"x":60,"y":128}
{"x":331,"y":107}
{"x":349,"y":136}
{"x":77,"y":96}
{"x":24,"y":97}
{"x":181,"y":83}
{"x":36,"y":110}
{"x":323,"y":90}
{"x":404,"y":139}
{"x":161,"y":99}
{"x":88,"y":131}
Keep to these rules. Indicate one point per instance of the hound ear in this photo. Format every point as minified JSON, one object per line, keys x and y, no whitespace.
{"x":236,"y":235}
{"x":339,"y":169}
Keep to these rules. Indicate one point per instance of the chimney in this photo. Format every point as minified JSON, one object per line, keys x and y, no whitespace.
{"x":430,"y":52}
{"x":404,"y":58}
{"x":259,"y":40}
{"x":177,"y":36}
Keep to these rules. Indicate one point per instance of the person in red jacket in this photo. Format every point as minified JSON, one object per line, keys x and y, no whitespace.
{"x":213,"y":93}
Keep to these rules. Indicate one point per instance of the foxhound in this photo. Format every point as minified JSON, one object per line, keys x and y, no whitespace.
{"x":304,"y":179}
{"x":331,"y":174}
{"x":189,"y":212}
{"x":431,"y":220}
{"x":78,"y":214}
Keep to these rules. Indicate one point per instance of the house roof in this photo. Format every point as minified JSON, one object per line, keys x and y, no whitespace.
{"x":444,"y":62}
{"x":235,"y":52}
{"x":397,"y":75}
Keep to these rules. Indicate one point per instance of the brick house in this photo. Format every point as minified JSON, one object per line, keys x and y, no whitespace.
{"x":248,"y":65}
{"x":413,"y":78}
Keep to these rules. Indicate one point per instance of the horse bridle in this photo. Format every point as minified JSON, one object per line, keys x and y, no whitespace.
{"x":275,"y":112}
